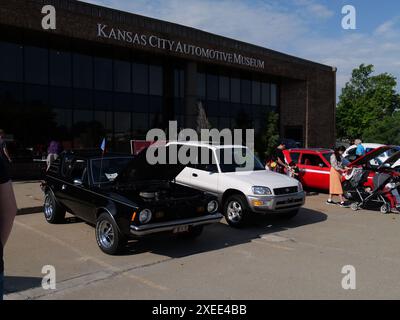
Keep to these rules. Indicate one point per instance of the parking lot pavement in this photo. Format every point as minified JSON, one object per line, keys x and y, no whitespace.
{"x":271,"y":259}
{"x":29,"y":196}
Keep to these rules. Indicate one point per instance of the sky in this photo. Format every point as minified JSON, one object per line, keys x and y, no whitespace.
{"x":310,"y":29}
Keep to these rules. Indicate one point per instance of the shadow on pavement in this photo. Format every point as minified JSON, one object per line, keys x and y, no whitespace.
{"x":219,"y":236}
{"x":18,"y":284}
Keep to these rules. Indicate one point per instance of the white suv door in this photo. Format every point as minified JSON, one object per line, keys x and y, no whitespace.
{"x":203,"y":176}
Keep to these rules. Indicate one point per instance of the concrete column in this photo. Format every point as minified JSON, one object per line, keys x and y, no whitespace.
{"x":190,"y":95}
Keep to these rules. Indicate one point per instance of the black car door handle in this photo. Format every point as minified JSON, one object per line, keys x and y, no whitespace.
{"x":195,"y":175}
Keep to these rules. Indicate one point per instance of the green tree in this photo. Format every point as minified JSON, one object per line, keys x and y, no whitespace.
{"x":386,"y":131}
{"x":267,"y":139}
{"x":202,"y":120}
{"x":366,"y":102}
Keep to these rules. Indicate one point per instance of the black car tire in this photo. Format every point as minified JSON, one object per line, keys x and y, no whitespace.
{"x":289,"y":215}
{"x":53,"y":212}
{"x":238,"y":203}
{"x":193,"y":233}
{"x":109,"y":239}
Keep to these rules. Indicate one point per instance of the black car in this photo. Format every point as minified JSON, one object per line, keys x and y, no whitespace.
{"x":125,"y":197}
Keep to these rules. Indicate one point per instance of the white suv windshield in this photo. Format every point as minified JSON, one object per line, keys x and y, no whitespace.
{"x":238,"y":159}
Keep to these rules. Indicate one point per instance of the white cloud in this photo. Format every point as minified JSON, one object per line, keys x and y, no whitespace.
{"x":256,"y":22}
{"x":288,"y":28}
{"x":315,"y":9}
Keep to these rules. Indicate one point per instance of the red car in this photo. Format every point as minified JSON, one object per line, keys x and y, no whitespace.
{"x":314,"y":165}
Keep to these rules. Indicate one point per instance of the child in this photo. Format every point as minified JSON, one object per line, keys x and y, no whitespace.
{"x":293,"y":171}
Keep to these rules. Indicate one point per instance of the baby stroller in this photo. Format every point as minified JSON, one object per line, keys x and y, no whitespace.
{"x":366,"y":196}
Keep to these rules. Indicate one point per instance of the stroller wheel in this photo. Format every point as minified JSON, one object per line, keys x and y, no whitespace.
{"x":354,"y":206}
{"x":385,"y":208}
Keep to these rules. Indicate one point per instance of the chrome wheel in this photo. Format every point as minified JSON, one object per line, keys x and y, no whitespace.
{"x":385,"y":209}
{"x":48,"y":207}
{"x":106,"y":234}
{"x":234,"y":211}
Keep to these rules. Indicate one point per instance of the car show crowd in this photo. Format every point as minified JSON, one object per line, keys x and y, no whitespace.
{"x":362,"y":171}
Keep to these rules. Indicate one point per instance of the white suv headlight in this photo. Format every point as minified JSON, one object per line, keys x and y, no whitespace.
{"x":300,"y":187}
{"x":145,"y":216}
{"x":261,"y":191}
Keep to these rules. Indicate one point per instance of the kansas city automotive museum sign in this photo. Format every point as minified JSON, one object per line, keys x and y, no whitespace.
{"x":153,"y":41}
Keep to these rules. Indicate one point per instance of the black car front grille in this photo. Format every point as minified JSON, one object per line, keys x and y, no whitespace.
{"x":287,"y":190}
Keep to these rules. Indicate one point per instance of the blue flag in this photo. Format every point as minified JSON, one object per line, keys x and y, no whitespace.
{"x":103,"y":145}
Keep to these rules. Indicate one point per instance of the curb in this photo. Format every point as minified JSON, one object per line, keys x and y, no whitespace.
{"x":31,"y":210}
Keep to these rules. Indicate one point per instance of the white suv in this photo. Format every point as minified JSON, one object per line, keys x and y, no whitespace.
{"x":241,"y":190}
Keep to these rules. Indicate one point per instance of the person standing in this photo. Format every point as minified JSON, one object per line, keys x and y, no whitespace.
{"x":279,"y":158}
{"x":8,"y":210}
{"x":360,"y":151}
{"x":335,"y":180}
{"x":3,"y":148}
{"x":52,"y":153}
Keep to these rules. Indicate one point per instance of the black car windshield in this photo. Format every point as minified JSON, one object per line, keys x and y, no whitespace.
{"x":238,"y":159}
{"x":107,"y":170}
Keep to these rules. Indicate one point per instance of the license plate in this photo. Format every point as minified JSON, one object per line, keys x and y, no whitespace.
{"x":181,"y":229}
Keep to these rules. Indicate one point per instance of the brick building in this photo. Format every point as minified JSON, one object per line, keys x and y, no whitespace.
{"x":103,"y":72}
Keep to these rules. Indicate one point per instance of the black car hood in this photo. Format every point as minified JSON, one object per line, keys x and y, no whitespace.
{"x":139,"y":169}
{"x":371,"y":155}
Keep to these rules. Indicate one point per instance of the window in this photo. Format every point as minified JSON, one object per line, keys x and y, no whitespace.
{"x":313,"y":160}
{"x":235,"y":90}
{"x":122,"y":102}
{"x":63,"y":117}
{"x":36,"y":96}
{"x":103,"y":100}
{"x":212,"y":87}
{"x":107,"y":170}
{"x":140,"y":122}
{"x":265,"y":95}
{"x":60,"y":68}
{"x":156,"y":80}
{"x":83,"y":116}
{"x":295,"y":156}
{"x":83,"y":71}
{"x":156,"y":104}
{"x":140,"y":78}
{"x":224,"y":92}
{"x":179,"y":83}
{"x":10,"y":61}
{"x":246,"y":91}
{"x":79,"y":171}
{"x":60,"y":98}
{"x":256,"y":92}
{"x":36,"y":65}
{"x":224,"y":123}
{"x":105,"y":119}
{"x":102,"y":74}
{"x":10,"y":94}
{"x":207,"y":160}
{"x":201,"y":85}
{"x":122,"y":76}
{"x":83,"y":99}
{"x":274,"y":95}
{"x":122,"y":122}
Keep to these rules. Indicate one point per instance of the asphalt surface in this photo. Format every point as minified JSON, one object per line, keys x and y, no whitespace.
{"x":271,"y":259}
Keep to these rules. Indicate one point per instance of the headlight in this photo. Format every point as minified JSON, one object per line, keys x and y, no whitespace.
{"x":300,"y":187}
{"x":212,"y":206}
{"x":262,"y":191}
{"x":145,"y":216}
